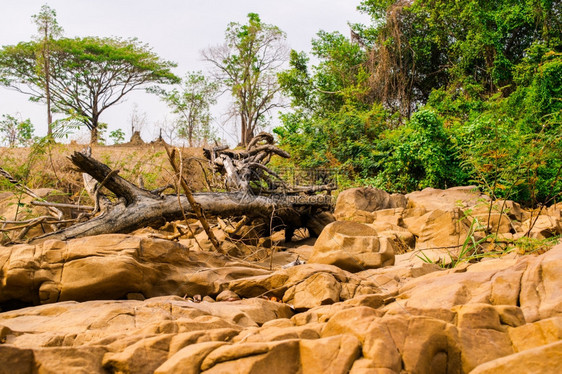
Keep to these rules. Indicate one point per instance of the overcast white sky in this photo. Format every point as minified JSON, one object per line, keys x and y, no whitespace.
{"x":177,"y":30}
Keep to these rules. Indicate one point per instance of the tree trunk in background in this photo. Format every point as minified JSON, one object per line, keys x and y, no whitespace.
{"x":47,"y":83}
{"x":94,"y":135}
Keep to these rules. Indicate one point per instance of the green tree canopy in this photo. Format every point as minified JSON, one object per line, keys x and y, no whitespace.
{"x":469,"y":47}
{"x":88,"y":75}
{"x":338,"y":78}
{"x":247,"y":64}
{"x":191,"y":103}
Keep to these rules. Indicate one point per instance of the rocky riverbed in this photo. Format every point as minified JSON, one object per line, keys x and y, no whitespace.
{"x":377,"y":294}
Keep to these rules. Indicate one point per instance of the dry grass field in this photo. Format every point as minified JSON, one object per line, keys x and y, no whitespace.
{"x":50,"y":166}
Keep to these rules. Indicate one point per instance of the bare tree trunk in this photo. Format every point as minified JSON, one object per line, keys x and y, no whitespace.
{"x":94,"y":122}
{"x":94,"y":135}
{"x":48,"y":99}
{"x":243,"y":132}
{"x":94,"y":129}
{"x":49,"y":115}
{"x":46,"y":63}
{"x":249,"y":135}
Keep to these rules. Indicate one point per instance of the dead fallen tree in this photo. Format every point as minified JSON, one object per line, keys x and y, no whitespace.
{"x":136,"y":207}
{"x":247,"y":170}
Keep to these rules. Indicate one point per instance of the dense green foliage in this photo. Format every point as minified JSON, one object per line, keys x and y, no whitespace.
{"x":435,"y":94}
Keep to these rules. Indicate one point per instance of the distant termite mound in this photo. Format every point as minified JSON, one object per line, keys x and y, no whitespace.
{"x":136,"y":139}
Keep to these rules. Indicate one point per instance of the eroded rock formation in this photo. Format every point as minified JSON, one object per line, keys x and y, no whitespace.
{"x":137,"y":304}
{"x":417,"y":318}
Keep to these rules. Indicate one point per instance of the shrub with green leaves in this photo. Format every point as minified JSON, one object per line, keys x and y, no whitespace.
{"x":117,"y":136}
{"x":15,"y":131}
{"x":418,"y":155}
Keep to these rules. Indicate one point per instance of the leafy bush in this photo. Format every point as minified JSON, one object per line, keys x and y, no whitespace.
{"x":118,"y":136}
{"x":15,"y":131}
{"x":345,"y":139}
{"x":418,"y":155}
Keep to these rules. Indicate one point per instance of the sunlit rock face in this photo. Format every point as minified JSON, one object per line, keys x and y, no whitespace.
{"x":360,"y":300}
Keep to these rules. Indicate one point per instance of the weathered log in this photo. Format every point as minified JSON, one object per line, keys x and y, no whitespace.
{"x":262,"y":136}
{"x":136,"y":208}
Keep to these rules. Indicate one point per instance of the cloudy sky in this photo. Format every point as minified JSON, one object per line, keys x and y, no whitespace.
{"x":177,"y":30}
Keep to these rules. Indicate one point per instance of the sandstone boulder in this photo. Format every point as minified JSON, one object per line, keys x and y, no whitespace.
{"x":491,"y":316}
{"x":555,"y":210}
{"x":227,"y":295}
{"x":110,"y":267}
{"x":389,"y":223}
{"x":331,"y":284}
{"x":439,"y":229}
{"x":142,"y":357}
{"x":446,"y":200}
{"x":535,"y":334}
{"x":379,"y":350}
{"x":333,"y":355}
{"x":198,"y":335}
{"x":496,"y":222}
{"x":352,"y":246}
{"x":247,"y":312}
{"x":188,"y":360}
{"x":355,"y":321}
{"x":546,"y":359}
{"x":271,"y":357}
{"x":270,"y":332}
{"x":16,"y":360}
{"x":427,"y":345}
{"x":531,"y":282}
{"x":318,"y":289}
{"x":358,"y":204}
{"x":540,"y":286}
{"x":543,"y":226}
{"x":512,"y":209}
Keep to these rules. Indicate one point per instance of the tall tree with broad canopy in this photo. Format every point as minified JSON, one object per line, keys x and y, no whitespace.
{"x":48,"y":29}
{"x":247,"y":64}
{"x":87,"y":75}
